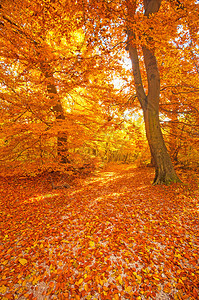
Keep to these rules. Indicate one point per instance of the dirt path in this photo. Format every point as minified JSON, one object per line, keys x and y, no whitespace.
{"x":109,"y":236}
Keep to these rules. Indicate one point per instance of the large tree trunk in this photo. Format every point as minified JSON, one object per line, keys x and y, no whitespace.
{"x":62,"y":139}
{"x":164,"y":171}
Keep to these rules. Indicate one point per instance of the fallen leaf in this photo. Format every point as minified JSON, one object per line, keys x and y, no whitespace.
{"x":23,"y":261}
{"x":3,"y":289}
{"x":91,"y":244}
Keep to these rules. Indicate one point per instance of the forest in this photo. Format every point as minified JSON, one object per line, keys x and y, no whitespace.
{"x":99,"y":149}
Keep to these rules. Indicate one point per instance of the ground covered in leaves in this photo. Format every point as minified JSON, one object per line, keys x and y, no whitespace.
{"x":109,"y":236}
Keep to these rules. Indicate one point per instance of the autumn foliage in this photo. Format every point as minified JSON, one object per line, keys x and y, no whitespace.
{"x":92,"y":94}
{"x":60,"y":68}
{"x":110,"y":236}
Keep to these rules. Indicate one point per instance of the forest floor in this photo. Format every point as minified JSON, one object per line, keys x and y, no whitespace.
{"x":109,"y":236}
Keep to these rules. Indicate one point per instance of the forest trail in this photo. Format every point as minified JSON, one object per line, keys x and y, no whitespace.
{"x":109,"y":236}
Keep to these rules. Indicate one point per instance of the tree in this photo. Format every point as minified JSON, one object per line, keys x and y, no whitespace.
{"x":46,"y":64}
{"x":164,"y":171}
{"x":179,"y":108}
{"x":156,"y":31}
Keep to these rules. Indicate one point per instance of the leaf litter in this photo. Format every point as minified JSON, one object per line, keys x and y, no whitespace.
{"x":110,"y":236}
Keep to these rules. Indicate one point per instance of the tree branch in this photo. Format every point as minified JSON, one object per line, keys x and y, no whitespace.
{"x":131,"y":6}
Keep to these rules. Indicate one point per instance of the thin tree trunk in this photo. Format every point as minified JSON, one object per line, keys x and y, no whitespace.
{"x":173,"y":144}
{"x":164,"y":171}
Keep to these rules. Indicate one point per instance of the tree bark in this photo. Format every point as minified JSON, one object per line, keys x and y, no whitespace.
{"x":174,"y":145}
{"x":164,"y":171}
{"x":62,"y":139}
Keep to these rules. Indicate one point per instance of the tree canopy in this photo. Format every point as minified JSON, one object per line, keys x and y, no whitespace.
{"x":60,"y":65}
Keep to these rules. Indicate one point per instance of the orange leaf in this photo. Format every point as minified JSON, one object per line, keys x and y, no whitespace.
{"x":51,"y":285}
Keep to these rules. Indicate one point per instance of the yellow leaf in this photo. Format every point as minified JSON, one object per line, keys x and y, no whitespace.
{"x":128,"y":289}
{"x":5,"y":237}
{"x":119,"y":279}
{"x":101,"y":282}
{"x":3,"y":289}
{"x":145,"y":270}
{"x":80,"y":281}
{"x":97,"y":279}
{"x":24,"y":283}
{"x":75,"y":264}
{"x":105,"y":293}
{"x":92,"y":244}
{"x":180,"y":281}
{"x":36,"y":279}
{"x":156,"y":278}
{"x":139,"y":278}
{"x":23,"y":261}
